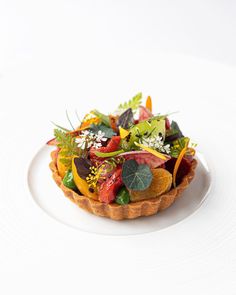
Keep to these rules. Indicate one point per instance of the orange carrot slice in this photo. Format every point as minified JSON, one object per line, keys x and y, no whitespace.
{"x":149,"y":103}
{"x":178,"y":162}
{"x":154,"y":152}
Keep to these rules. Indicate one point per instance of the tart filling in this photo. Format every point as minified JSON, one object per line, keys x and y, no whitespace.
{"x":126,"y":164}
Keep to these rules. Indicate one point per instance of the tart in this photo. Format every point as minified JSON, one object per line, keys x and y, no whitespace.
{"x":125,"y":165}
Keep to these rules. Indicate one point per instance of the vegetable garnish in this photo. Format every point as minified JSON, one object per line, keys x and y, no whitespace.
{"x":108,"y":155}
{"x":135,"y":176}
{"x":67,"y":145}
{"x":123,"y":197}
{"x":123,"y":133}
{"x":126,"y":119}
{"x":179,"y":159}
{"x":107,"y":131}
{"x":154,"y":152}
{"x":122,"y":157}
{"x":149,"y":103}
{"x":133,"y":103}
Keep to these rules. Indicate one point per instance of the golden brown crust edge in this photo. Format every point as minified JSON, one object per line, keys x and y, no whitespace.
{"x":129,"y":211}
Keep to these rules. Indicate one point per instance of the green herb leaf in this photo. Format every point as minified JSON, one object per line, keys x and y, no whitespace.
{"x":66,"y":161}
{"x":133,"y":103}
{"x":175,"y":126}
{"x":135,"y":176}
{"x":104,"y":118}
{"x":178,"y":145}
{"x":123,"y":197}
{"x":173,"y":133}
{"x":67,"y":145}
{"x":60,"y":127}
{"x":101,"y":127}
{"x":65,"y":140}
{"x":68,"y":180}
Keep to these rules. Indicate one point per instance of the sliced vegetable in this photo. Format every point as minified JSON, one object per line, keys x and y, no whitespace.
{"x":183,"y":170}
{"x":109,"y":188}
{"x":152,"y":151}
{"x":112,"y":146}
{"x":161,"y":183}
{"x":108,"y":155}
{"x":145,"y":128}
{"x":113,"y":122}
{"x":123,"y":196}
{"x":135,"y":176}
{"x":144,"y":157}
{"x":87,"y":122}
{"x":149,"y":103}
{"x":144,"y":113}
{"x":81,"y":184}
{"x":123,"y":133}
{"x":68,"y":180}
{"x":177,"y":164}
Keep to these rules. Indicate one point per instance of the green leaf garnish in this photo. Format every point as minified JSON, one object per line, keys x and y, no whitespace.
{"x":108,"y":155}
{"x":175,"y":126}
{"x":60,"y":127}
{"x":101,"y":127}
{"x":178,"y":145}
{"x":135,"y":176}
{"x":133,"y":103}
{"x":67,"y":145}
{"x":123,"y":197}
{"x":68,"y":118}
{"x":104,"y":118}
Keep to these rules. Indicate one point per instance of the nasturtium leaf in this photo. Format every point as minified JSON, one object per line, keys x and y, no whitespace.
{"x":83,"y":167}
{"x":101,"y":127}
{"x":135,"y":176}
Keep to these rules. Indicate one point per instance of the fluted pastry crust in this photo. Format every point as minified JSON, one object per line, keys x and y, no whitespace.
{"x":129,"y":211}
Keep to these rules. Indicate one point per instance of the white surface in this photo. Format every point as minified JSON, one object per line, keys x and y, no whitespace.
{"x":86,"y":54}
{"x":197,"y":255}
{"x":55,"y":29}
{"x":52,"y":200}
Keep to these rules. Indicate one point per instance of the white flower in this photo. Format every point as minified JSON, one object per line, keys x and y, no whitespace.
{"x":85,"y":133}
{"x":88,"y":139}
{"x":97,"y":145}
{"x":81,"y":142}
{"x":100,"y":136}
{"x":157,"y":143}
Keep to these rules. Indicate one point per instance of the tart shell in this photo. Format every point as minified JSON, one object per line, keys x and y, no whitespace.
{"x":129,"y":211}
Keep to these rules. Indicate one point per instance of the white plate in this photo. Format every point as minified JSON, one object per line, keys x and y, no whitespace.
{"x":195,"y":256}
{"x":52,"y":200}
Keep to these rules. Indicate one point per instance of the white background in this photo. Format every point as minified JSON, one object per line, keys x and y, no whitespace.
{"x":39,"y":29}
{"x":57,"y":55}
